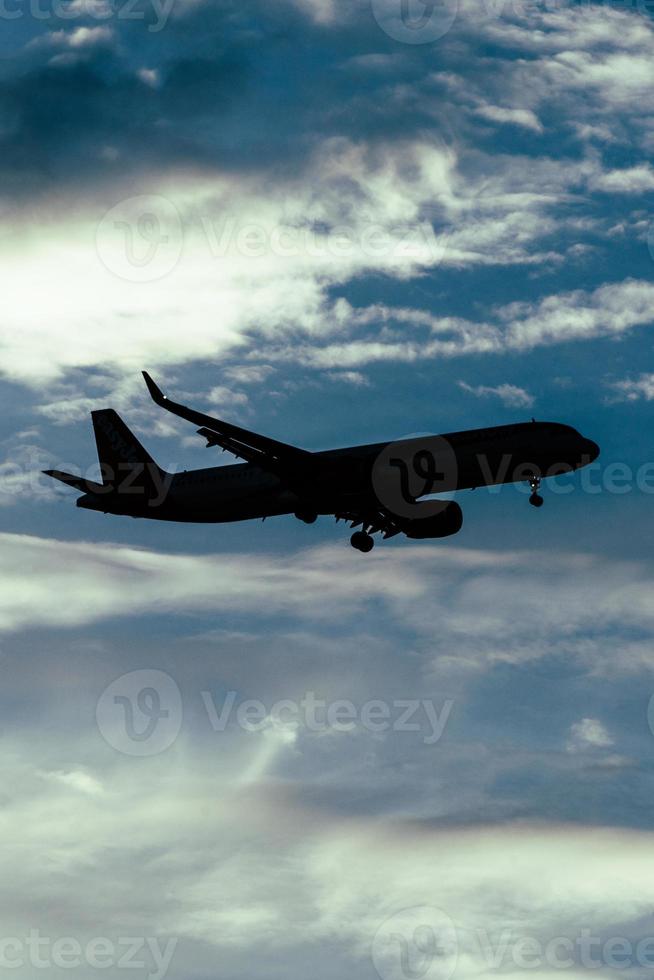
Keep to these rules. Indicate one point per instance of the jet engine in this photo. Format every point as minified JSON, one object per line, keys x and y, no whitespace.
{"x":447,"y":521}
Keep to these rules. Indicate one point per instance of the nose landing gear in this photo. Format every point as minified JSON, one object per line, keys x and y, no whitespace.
{"x":534,"y":485}
{"x":362,"y":541}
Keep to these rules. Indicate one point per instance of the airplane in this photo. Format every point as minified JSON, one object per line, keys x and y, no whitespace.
{"x":389,"y":488}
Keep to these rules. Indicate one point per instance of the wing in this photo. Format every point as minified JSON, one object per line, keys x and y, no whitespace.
{"x":269,"y":454}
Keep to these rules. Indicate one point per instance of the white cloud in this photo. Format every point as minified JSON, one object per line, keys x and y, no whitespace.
{"x":408,"y":207}
{"x":324,"y":12}
{"x":269,"y":263}
{"x":77,"y":779}
{"x":80,"y":38}
{"x":588,"y":733}
{"x":516,"y":117}
{"x":609,"y":310}
{"x":633,"y":389}
{"x":221,"y":396}
{"x":220,"y":860}
{"x":150,"y":76}
{"x":355,"y":378}
{"x":248,"y":374}
{"x":510,"y":395}
{"x":630,"y":180}
{"x":108,"y":580}
{"x":474,"y":597}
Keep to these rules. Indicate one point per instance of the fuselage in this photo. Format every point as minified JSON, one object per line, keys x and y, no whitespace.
{"x":352,"y":476}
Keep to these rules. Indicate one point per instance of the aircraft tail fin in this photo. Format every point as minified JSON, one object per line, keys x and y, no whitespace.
{"x":122,"y":457}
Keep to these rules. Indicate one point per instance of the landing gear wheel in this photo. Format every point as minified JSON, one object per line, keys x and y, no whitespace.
{"x":534,"y":485}
{"x":362,"y":541}
{"x":307,"y":516}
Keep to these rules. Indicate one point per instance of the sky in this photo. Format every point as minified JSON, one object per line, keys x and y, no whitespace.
{"x":248,"y":750}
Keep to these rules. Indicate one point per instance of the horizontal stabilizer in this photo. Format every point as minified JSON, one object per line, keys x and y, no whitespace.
{"x":77,"y":482}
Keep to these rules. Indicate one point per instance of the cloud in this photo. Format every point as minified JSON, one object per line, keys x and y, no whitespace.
{"x":589,"y":739}
{"x":355,"y":378}
{"x":77,"y":779}
{"x":273,"y":262}
{"x":361,"y":214}
{"x":150,"y":76}
{"x":610,"y":310}
{"x":588,"y":733}
{"x":270,"y":246}
{"x":634,"y":389}
{"x":80,"y":38}
{"x":475,"y":597}
{"x":510,"y":395}
{"x":516,"y":117}
{"x":248,"y":374}
{"x":395,"y":207}
{"x":630,"y":180}
{"x":221,"y":396}
{"x":223,"y":858}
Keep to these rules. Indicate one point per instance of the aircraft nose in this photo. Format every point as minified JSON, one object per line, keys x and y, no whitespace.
{"x":590,"y":449}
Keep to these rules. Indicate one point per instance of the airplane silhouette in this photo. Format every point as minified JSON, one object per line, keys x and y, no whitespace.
{"x":388,"y":487}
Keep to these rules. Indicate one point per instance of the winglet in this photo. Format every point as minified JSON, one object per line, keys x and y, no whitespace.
{"x":154,"y":389}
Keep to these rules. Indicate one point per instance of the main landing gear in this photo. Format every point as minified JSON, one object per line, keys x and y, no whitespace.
{"x":306,"y":516}
{"x":534,"y":485}
{"x":362,"y":541}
